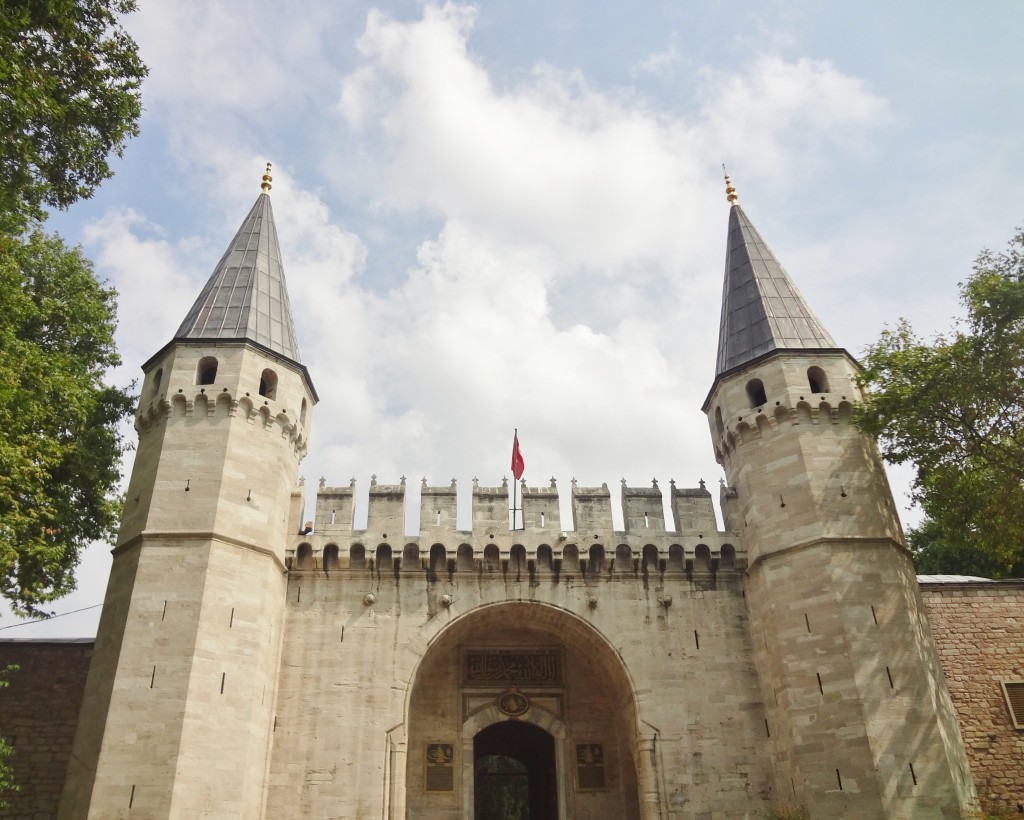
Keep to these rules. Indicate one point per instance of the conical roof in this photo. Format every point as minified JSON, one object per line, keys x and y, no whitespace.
{"x":762,"y":310}
{"x":246,"y":297}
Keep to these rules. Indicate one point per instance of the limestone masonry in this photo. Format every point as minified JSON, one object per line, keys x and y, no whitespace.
{"x":250,"y":666}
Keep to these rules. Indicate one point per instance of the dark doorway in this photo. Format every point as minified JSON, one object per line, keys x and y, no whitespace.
{"x":514,"y":766}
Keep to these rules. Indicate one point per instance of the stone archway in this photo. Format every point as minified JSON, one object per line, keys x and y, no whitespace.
{"x":544,"y":667}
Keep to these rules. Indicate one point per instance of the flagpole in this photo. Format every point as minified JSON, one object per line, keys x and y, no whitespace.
{"x":515,"y":485}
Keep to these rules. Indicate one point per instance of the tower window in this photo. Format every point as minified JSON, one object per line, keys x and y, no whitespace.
{"x":302,"y":413}
{"x":268,"y":384}
{"x":756,"y":394}
{"x":817,"y":380}
{"x":206,"y":372}
{"x":157,"y":378}
{"x":719,"y":424}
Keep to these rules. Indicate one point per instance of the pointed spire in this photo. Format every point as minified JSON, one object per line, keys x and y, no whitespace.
{"x":762,"y":310}
{"x":246,"y":296}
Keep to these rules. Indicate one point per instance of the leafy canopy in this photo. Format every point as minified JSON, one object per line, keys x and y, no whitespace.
{"x":69,"y":97}
{"x":954,"y":407}
{"x":60,"y":445}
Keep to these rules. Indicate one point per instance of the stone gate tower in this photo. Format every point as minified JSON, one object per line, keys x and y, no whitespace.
{"x":858,"y":712}
{"x":178,"y":709}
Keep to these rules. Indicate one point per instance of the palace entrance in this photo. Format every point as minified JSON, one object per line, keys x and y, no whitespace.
{"x":521,"y":711}
{"x":514,"y":773}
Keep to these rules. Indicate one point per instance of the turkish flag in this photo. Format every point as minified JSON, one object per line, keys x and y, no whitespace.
{"x":518,"y":465}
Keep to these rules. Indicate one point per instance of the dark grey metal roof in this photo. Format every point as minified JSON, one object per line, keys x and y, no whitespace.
{"x":762,"y":310}
{"x":246,"y":297}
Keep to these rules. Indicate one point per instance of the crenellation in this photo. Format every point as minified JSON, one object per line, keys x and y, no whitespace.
{"x":693,"y":509}
{"x":591,"y":508}
{"x":642,"y":508}
{"x":490,"y":509}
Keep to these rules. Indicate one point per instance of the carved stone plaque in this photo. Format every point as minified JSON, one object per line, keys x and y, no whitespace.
{"x":501,"y":667}
{"x":590,"y":766}
{"x":513,"y":703}
{"x":440,"y":768}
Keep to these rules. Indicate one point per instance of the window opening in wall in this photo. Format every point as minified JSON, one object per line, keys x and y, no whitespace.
{"x":206,"y":371}
{"x":438,"y":522}
{"x":1013,"y":691}
{"x":817,"y":380}
{"x":268,"y":384}
{"x":157,"y":379}
{"x":756,"y":394}
{"x":646,"y":522}
{"x":542,"y":519}
{"x":302,"y":413}
{"x":719,"y":424}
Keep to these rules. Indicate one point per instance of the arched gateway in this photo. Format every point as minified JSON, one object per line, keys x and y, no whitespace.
{"x":521,"y":711}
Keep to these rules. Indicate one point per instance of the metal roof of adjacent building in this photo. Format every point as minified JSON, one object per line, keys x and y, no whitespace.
{"x":762,"y":310}
{"x":246,"y":297}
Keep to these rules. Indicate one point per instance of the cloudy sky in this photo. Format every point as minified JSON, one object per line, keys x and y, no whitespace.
{"x":512,"y":214}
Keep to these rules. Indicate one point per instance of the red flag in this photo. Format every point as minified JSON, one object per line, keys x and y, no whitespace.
{"x":518,"y":465}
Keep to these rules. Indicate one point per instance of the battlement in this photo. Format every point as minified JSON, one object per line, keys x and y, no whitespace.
{"x":589,"y":546}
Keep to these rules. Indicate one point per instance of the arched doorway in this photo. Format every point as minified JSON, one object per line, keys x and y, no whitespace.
{"x":499,"y":672}
{"x":514,"y":773}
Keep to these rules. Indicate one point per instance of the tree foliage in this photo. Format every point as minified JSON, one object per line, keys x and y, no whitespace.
{"x":954,"y":407}
{"x":69,"y":97}
{"x":59,"y":441}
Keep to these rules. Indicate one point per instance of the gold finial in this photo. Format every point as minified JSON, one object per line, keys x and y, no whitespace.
{"x":265,"y":186}
{"x":730,"y":189}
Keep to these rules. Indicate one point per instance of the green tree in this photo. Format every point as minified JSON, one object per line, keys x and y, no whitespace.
{"x":60,"y":445}
{"x":954,"y":407}
{"x":69,"y":97}
{"x":935,"y":553}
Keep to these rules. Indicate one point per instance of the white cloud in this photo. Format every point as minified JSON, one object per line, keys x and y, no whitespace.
{"x":661,"y":63}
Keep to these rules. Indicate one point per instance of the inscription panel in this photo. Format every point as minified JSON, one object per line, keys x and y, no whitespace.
{"x":440,"y":769}
{"x":502,"y":667}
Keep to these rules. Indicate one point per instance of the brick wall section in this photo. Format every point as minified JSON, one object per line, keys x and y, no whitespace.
{"x":38,"y":713}
{"x":979,"y":630}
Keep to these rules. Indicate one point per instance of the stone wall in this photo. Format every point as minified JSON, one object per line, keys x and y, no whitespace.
{"x":979,"y":629}
{"x":38,"y":715}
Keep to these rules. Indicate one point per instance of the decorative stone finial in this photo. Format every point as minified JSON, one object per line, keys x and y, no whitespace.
{"x":504,"y":481}
{"x":654,"y":483}
{"x":423,"y":482}
{"x":730,"y":189}
{"x":553,"y":484}
{"x":373,"y":480}
{"x":476,"y":483}
{"x":265,"y":186}
{"x":323,"y":482}
{"x":352,"y":482}
{"x":623,"y":483}
{"x":702,"y":484}
{"x":453,"y":484}
{"x":672,"y":483}
{"x":403,"y":480}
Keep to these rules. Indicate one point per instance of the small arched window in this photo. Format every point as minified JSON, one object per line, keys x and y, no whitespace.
{"x":817,"y":380}
{"x":756,"y":394}
{"x":157,"y":378}
{"x":719,"y":424}
{"x":206,"y":372}
{"x":268,"y":384}
{"x":302,"y":413}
